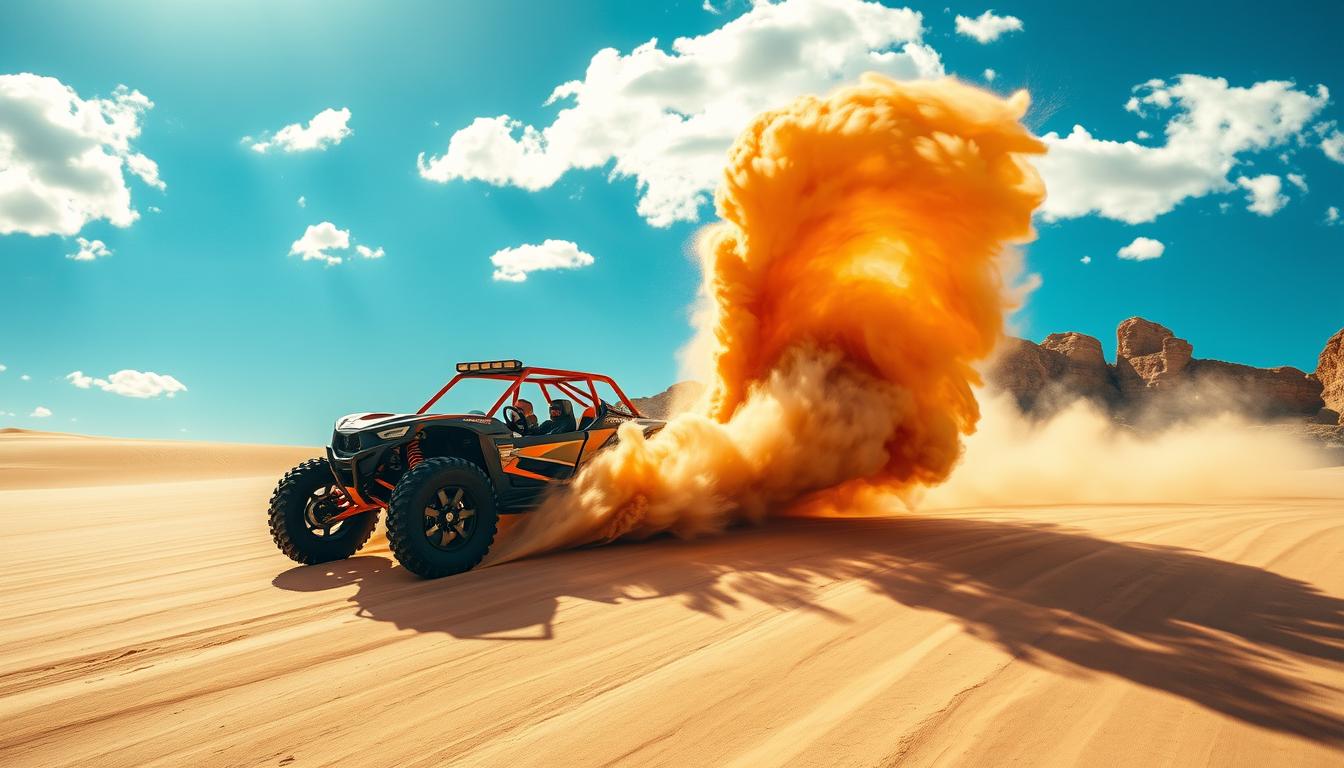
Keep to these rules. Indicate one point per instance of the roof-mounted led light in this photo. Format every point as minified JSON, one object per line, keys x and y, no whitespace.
{"x":491,"y":366}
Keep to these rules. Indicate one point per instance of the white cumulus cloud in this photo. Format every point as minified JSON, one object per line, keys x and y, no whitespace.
{"x":89,"y":250}
{"x":146,"y":169}
{"x":40,"y":413}
{"x":1332,"y":215}
{"x":1299,"y":181}
{"x":319,"y":240}
{"x":327,"y":128}
{"x":1142,"y":249}
{"x":990,"y":75}
{"x":514,"y":264}
{"x":1214,"y":126}
{"x":1332,"y":141}
{"x":1264,"y":193}
{"x":130,"y":383}
{"x":666,"y":117}
{"x":64,"y":160}
{"x":987,"y":27}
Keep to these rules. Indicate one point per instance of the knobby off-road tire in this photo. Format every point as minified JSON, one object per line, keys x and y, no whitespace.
{"x":294,"y":529}
{"x":428,"y":525}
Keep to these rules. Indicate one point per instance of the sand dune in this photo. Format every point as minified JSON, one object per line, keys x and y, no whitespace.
{"x":55,"y":460}
{"x":150,"y":621}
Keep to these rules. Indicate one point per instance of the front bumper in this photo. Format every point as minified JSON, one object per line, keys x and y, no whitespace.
{"x":356,"y":472}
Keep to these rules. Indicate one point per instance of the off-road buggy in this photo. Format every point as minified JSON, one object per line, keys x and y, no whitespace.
{"x":444,"y":479}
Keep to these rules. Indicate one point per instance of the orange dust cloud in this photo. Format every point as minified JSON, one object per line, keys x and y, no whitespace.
{"x":860,"y":271}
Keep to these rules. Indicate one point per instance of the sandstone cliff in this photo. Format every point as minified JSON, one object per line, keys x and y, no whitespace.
{"x":1330,"y":372}
{"x":1154,"y":367}
{"x":670,"y":401}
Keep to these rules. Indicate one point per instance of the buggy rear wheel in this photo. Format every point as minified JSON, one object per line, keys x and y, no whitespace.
{"x":303,"y":500}
{"x":442,"y":518}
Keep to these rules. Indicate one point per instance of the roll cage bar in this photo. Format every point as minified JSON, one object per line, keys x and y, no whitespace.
{"x":566,"y":382}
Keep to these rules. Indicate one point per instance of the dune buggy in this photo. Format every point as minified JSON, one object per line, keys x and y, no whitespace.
{"x":444,"y":479}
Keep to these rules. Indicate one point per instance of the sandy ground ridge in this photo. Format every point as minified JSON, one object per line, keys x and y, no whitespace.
{"x":150,"y":621}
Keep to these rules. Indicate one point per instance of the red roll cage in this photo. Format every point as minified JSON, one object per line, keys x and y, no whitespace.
{"x":566,"y":382}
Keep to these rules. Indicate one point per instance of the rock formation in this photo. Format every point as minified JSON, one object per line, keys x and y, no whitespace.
{"x":1280,"y":391}
{"x":1084,"y":368}
{"x":1330,"y":373}
{"x":1025,"y":370}
{"x":670,"y":401}
{"x":1148,"y":356}
{"x":1154,"y":367}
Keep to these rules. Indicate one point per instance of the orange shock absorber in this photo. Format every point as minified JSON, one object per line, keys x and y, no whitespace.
{"x":413,"y":455}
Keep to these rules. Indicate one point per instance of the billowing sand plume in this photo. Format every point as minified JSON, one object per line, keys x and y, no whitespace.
{"x":856,"y":277}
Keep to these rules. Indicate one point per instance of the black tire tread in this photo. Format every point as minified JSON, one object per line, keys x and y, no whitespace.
{"x":283,"y":496}
{"x":398,"y":535}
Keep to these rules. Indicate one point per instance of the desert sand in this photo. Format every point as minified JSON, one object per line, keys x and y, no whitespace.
{"x":149,"y":620}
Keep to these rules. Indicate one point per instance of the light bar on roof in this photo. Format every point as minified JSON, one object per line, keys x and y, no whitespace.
{"x":491,"y":366}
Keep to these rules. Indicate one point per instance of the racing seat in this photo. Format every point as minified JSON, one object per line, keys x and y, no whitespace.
{"x":591,"y":415}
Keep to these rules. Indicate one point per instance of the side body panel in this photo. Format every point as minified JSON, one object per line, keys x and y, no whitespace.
{"x":534,"y":463}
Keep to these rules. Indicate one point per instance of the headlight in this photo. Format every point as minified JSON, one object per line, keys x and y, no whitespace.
{"x":395,"y":432}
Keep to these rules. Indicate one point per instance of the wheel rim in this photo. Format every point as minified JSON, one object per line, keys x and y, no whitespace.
{"x":320,"y":505}
{"x":450,"y":518}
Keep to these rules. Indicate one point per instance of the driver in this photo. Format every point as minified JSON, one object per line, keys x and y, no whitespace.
{"x":530,"y":428}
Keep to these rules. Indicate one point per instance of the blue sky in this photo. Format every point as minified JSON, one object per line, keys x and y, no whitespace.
{"x":203,"y":286}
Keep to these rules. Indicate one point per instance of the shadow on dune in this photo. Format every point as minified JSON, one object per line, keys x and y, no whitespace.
{"x":1213,"y":632}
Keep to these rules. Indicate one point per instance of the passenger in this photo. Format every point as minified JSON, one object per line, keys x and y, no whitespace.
{"x":562,"y":419}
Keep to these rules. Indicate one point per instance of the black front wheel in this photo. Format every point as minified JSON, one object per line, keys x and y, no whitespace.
{"x":300,"y":507}
{"x":442,"y":518}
